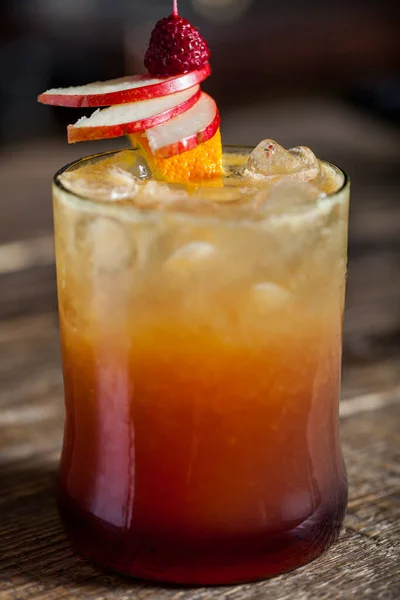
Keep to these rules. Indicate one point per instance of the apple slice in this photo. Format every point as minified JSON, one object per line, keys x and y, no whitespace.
{"x":123,"y":119}
{"x":186,"y":131}
{"x":123,"y":90}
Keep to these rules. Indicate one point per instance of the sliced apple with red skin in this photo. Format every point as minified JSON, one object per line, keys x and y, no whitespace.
{"x":123,"y":90}
{"x":186,"y":131}
{"x":124,"y":119}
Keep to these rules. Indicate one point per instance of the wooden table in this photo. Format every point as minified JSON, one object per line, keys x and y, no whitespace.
{"x":36,"y":561}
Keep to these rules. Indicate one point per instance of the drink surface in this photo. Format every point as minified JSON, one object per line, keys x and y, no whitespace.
{"x":256,"y":180}
{"x":201,"y":335}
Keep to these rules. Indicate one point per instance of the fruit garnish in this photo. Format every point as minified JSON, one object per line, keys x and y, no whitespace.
{"x":164,"y":112}
{"x":186,"y":131}
{"x":123,"y":119}
{"x":175,"y":47}
{"x":187,"y":148}
{"x":202,"y":164}
{"x":122,"y":90}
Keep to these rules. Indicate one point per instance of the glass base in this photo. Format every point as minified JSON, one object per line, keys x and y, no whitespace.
{"x":204,"y":560}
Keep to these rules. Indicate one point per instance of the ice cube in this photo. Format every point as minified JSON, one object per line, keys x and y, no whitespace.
{"x":109,"y":244}
{"x":269,"y":160}
{"x":192,"y":255}
{"x":153,"y":194}
{"x":131,"y":161}
{"x":287,"y":194}
{"x":101,"y":182}
{"x":330,"y":179}
{"x":267,"y":296}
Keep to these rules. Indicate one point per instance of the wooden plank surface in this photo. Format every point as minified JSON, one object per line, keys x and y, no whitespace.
{"x":36,"y":561}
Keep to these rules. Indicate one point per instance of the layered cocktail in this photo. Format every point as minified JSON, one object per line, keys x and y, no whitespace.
{"x":201,"y":301}
{"x":201,"y":337}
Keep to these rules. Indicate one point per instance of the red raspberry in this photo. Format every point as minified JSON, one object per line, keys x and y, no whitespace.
{"x":175,"y":47}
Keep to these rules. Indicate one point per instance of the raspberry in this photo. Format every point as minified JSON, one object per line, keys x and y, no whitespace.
{"x":175,"y":47}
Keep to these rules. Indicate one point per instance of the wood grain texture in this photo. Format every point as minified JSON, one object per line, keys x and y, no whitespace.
{"x":36,"y":561}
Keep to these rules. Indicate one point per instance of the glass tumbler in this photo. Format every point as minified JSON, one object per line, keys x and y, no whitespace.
{"x":201,"y":359}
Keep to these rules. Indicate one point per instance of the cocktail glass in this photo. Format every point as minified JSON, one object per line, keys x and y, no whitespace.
{"x":201,"y":357}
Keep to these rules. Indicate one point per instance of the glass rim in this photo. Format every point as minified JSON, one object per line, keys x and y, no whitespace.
{"x":101,"y":204}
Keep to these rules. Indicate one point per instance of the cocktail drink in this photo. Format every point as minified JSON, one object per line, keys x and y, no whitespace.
{"x":201,"y":298}
{"x":201,"y":339}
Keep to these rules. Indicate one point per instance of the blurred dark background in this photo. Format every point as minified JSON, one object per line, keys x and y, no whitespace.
{"x":322,"y":74}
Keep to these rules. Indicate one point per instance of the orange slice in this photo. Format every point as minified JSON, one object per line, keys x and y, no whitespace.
{"x":203,"y":164}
